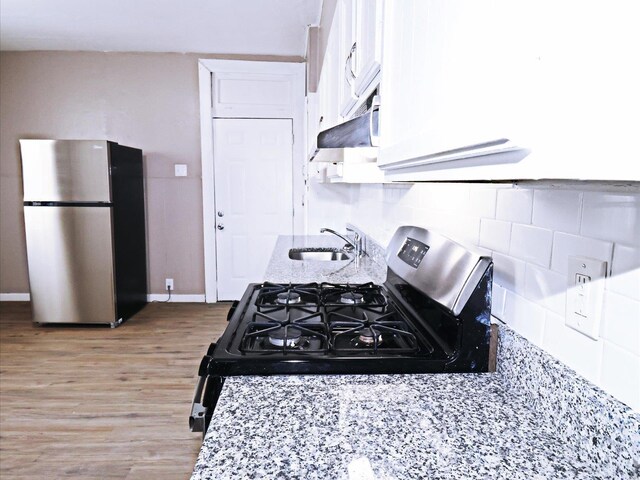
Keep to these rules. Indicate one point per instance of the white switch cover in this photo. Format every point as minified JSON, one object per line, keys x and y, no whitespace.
{"x":585,"y":294}
{"x":180,"y":170}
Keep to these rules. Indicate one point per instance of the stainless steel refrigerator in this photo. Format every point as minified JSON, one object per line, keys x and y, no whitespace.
{"x":85,"y":230}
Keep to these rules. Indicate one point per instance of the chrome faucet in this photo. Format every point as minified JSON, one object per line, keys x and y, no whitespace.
{"x":355,"y":245}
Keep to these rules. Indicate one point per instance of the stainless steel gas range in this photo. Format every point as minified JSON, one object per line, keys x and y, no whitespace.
{"x":432,"y":314}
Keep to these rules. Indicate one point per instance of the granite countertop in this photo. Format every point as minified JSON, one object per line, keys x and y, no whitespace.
{"x":532,"y":419}
{"x":384,"y":427}
{"x":281,"y":269}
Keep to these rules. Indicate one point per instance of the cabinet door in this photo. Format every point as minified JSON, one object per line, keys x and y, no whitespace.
{"x":330,"y":78}
{"x":453,"y":77}
{"x":348,"y":47}
{"x":368,"y":39}
{"x":557,"y":78}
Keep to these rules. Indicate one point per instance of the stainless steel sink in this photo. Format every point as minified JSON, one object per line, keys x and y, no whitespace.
{"x":318,"y":254}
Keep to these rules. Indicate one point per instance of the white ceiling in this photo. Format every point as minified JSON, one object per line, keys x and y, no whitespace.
{"x":258,"y":27}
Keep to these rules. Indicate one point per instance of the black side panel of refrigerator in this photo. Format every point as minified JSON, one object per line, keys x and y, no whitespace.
{"x":129,"y":233}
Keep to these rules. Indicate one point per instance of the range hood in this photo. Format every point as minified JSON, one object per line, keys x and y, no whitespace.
{"x":358,"y":132}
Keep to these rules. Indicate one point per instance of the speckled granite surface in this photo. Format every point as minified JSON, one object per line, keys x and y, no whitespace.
{"x":602,"y":429}
{"x":390,"y":427}
{"x":533,"y":419}
{"x":281,"y":269}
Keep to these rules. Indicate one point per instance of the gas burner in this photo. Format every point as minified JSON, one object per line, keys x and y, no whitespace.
{"x":278,"y":337}
{"x":363,"y":297}
{"x":286,"y":330}
{"x":288,"y":298}
{"x":367,"y":338}
{"x":375,"y":333}
{"x":351,"y":298}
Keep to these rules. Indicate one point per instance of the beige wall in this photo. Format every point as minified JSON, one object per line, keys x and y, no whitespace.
{"x":149,"y":101}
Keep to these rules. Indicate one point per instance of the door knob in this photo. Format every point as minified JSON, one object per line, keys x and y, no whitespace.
{"x":220,"y":213}
{"x":220,"y":226}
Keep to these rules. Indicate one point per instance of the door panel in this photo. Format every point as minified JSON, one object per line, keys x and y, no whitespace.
{"x":70,"y":257}
{"x":253,"y":167}
{"x":65,"y":170}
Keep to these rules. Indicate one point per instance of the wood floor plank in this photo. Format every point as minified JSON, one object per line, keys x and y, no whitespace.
{"x":94,"y":402}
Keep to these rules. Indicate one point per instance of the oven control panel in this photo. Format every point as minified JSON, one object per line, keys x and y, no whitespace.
{"x":412,"y":252}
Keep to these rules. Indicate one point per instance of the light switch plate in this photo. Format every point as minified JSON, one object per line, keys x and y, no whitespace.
{"x":180,"y":170}
{"x":585,"y":295}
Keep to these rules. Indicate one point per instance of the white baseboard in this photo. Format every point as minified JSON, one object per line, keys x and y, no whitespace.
{"x":175,"y":298}
{"x":25,"y":297}
{"x":14,"y":297}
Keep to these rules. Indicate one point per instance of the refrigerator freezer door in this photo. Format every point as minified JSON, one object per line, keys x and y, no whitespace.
{"x":65,"y":170}
{"x":70,"y":255}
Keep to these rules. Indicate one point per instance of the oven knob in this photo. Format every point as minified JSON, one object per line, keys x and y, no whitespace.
{"x":220,"y":226}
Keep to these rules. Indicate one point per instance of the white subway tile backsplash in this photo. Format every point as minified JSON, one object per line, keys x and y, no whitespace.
{"x":399,"y":192}
{"x":557,"y":210}
{"x":565,"y":245}
{"x":515,"y":205}
{"x":612,"y":217}
{"x":412,"y":197}
{"x":524,"y":317}
{"x":517,"y":226}
{"x":453,"y":198}
{"x":620,"y":374}
{"x":429,"y":195}
{"x":495,"y":235}
{"x":546,"y":288}
{"x":497,"y":301}
{"x":621,"y":322}
{"x":509,"y":272}
{"x":571,"y":347}
{"x":532,"y":244}
{"x":482,"y":202}
{"x":462,"y":228}
{"x":625,"y":271}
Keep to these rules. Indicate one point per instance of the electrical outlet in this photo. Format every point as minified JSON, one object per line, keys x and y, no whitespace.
{"x":585,"y":294}
{"x":168,"y":284}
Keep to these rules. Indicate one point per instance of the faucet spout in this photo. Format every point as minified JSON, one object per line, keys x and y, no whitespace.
{"x":353,"y":245}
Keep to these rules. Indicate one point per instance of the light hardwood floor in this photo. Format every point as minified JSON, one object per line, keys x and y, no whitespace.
{"x":94,"y":402}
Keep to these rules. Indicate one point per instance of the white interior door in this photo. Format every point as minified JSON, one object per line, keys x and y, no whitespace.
{"x":253,"y":168}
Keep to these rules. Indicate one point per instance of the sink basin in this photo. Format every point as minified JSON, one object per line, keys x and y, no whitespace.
{"x":318,"y":254}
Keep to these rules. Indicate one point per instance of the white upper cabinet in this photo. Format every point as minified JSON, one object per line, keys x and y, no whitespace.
{"x":348,"y":46}
{"x":368,"y":51}
{"x":482,"y":90}
{"x":328,"y":87}
{"x":350,"y":73}
{"x":360,"y":27}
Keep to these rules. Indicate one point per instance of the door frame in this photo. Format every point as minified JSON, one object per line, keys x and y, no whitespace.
{"x":206,"y":69}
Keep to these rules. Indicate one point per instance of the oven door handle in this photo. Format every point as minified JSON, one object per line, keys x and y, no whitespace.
{"x":198,"y":410}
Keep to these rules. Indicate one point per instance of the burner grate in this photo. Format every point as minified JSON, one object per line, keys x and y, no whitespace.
{"x":363,"y":297}
{"x":388,"y":334}
{"x":267,"y":333}
{"x":273,"y":297}
{"x":326,"y":319}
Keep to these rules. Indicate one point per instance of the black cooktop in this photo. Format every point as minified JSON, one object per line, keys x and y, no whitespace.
{"x":335,"y":328}
{"x":325,"y":319}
